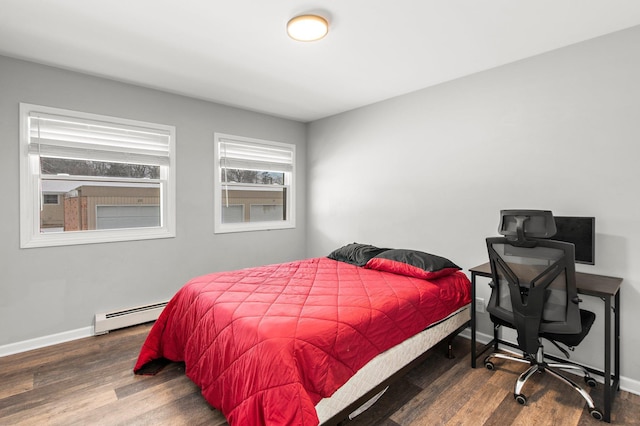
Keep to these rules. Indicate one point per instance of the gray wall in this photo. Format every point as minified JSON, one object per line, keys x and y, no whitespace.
{"x":431,"y":170}
{"x":50,"y":290}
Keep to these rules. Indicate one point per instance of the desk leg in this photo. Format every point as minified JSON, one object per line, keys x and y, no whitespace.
{"x":616,"y":361}
{"x":607,"y":359}
{"x":473,"y":320}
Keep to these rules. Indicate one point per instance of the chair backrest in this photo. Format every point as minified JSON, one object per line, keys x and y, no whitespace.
{"x":534,"y":286}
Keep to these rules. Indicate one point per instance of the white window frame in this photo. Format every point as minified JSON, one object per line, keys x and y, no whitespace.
{"x":288,"y":169}
{"x":30,"y":184}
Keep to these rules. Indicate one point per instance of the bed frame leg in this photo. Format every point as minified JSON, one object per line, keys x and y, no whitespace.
{"x":452,"y":336}
{"x":450,"y":354}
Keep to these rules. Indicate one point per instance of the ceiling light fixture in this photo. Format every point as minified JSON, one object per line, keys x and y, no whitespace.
{"x":307,"y":28}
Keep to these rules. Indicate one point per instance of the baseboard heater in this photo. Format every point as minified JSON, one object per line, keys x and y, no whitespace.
{"x":108,"y":321}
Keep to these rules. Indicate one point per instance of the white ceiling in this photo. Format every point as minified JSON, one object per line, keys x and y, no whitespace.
{"x":236,"y":52}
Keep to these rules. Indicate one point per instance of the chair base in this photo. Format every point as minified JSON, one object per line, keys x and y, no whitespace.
{"x":536,"y":364}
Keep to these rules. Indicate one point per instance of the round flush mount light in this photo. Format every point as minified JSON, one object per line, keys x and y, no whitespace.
{"x":307,"y":28}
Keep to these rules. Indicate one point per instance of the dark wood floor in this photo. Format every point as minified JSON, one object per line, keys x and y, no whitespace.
{"x":90,"y":382}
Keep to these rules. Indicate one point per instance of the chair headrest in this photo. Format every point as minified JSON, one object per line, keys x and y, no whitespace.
{"x":520,"y":225}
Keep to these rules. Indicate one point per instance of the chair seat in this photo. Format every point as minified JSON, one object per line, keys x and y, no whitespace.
{"x":586,"y":318}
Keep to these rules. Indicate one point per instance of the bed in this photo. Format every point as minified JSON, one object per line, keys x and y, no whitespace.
{"x":294,"y":343}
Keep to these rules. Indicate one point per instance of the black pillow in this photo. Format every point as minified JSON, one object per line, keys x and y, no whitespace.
{"x":412,"y":263}
{"x":355,"y":253}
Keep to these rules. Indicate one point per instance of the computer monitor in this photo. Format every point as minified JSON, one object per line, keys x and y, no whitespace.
{"x":581,"y":232}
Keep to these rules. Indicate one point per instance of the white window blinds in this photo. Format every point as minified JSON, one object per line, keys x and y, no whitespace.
{"x":249,"y":155}
{"x":84,"y":138}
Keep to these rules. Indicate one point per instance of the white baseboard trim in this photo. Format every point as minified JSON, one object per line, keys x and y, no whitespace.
{"x":626,"y":384}
{"x":41,"y":342}
{"x":630,"y":385}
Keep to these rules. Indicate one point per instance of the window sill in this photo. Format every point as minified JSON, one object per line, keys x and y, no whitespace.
{"x":93,"y":237}
{"x":250,"y":227}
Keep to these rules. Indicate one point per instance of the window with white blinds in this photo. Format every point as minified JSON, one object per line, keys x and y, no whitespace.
{"x":254,"y":184}
{"x":96,"y":165}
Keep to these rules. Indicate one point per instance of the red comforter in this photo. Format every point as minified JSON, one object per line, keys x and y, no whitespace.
{"x":266,"y":344}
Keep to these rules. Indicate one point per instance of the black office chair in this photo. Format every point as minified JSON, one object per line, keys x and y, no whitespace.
{"x":534,"y":291}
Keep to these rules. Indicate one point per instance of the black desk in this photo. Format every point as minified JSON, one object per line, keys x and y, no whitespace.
{"x":599,"y":286}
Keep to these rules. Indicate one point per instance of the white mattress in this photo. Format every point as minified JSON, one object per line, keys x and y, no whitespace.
{"x":387,"y":363}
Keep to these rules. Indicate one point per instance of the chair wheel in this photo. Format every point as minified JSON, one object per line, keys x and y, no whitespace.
{"x":596,"y":414}
{"x":590,"y":381}
{"x":520,"y":399}
{"x":489,"y":365}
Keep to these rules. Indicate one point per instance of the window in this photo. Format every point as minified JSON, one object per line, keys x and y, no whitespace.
{"x":254,"y":184}
{"x":88,"y":178}
{"x":50,"y":199}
